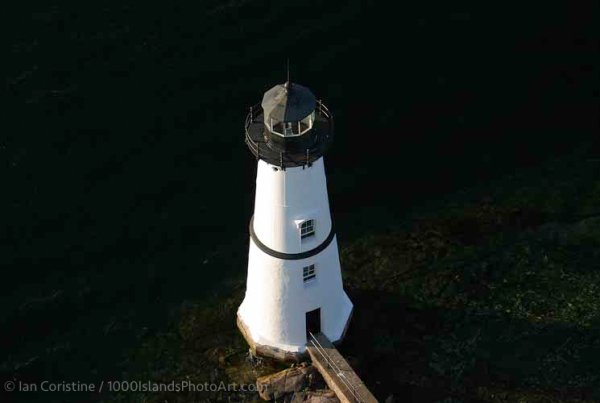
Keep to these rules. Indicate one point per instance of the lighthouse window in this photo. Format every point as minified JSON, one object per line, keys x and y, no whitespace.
{"x":308,"y":272}
{"x":307,"y":228}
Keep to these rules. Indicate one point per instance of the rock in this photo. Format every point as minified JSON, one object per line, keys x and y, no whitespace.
{"x":316,"y":396}
{"x":287,"y":381}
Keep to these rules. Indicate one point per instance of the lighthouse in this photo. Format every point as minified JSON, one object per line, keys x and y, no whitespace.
{"x":294,"y":284}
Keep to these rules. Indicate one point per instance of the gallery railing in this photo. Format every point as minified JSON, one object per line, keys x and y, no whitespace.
{"x":255,"y":116}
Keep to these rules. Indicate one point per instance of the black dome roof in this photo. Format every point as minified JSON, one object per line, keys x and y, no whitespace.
{"x":288,"y":102}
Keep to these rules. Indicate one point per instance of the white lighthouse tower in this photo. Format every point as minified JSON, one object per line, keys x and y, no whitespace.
{"x":294,"y":284}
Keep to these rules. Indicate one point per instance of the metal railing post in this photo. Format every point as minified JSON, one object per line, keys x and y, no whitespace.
{"x":331,"y":364}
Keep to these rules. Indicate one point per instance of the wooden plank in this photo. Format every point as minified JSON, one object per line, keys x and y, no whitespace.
{"x":338,"y":374}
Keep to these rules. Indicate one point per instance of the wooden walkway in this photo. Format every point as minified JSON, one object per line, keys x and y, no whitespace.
{"x":336,"y":371}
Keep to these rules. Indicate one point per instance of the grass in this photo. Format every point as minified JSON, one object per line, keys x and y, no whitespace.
{"x":489,"y":295}
{"x":204,"y":346}
{"x":495,"y":293}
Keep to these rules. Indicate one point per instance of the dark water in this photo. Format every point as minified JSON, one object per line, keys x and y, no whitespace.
{"x":126,"y":184}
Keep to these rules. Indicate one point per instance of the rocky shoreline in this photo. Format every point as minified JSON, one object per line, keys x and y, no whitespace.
{"x":300,"y":383}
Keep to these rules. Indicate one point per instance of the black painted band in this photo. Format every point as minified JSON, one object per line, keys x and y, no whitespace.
{"x":290,"y":256}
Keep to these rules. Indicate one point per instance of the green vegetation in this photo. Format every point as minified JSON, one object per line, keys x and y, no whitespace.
{"x":205,"y":346}
{"x":489,"y":295}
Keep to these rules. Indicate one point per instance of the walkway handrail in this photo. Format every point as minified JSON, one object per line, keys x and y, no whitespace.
{"x":332,"y":364}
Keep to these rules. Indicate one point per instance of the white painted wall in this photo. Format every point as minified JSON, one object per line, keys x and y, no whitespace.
{"x":282,"y":197}
{"x":277,"y":298}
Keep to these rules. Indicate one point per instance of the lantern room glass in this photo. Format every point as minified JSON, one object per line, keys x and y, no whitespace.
{"x":291,"y":129}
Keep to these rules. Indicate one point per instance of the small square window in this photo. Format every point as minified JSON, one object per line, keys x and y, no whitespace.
{"x":307,"y":228}
{"x":308,"y":273}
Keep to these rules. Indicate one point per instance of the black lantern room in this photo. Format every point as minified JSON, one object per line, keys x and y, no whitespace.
{"x":290,"y":127}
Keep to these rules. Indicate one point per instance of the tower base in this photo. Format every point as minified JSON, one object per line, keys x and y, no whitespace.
{"x":269,"y":351}
{"x":277,"y":353}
